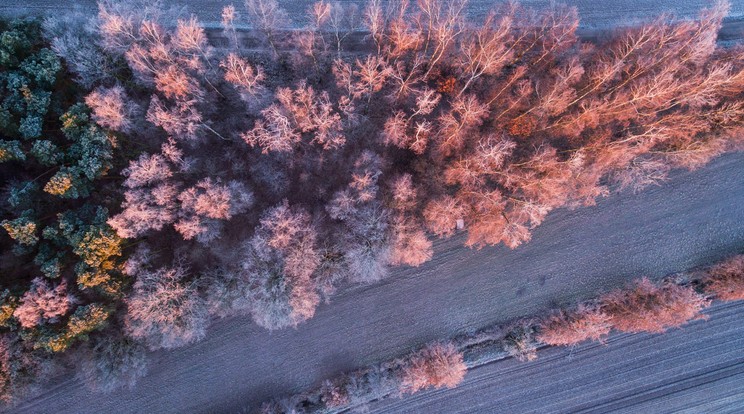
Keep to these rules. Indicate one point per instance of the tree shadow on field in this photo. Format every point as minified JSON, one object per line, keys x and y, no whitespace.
{"x":336,"y":364}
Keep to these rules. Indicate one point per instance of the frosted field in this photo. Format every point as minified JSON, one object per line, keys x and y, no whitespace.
{"x":593,"y":13}
{"x":696,"y":369}
{"x":693,"y":219}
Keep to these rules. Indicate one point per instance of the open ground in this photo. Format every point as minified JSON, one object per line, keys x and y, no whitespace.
{"x":594,"y":14}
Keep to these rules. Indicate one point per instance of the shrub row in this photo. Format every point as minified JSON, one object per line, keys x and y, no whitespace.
{"x":644,"y":306}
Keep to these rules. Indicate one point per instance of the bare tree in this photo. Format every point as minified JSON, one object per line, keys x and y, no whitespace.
{"x":74,"y":37}
{"x":365,"y":222}
{"x":43,"y":303}
{"x":247,"y":79}
{"x":279,"y":262}
{"x":112,"y":108}
{"x":20,"y":369}
{"x":113,"y":362}
{"x":164,"y":309}
{"x":229,"y":16}
{"x":299,"y":111}
{"x":268,"y":18}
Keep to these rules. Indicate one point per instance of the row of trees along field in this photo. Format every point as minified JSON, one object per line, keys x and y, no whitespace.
{"x":158,"y":174}
{"x":641,"y":306}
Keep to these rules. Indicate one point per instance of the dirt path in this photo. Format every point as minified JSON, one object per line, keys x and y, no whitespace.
{"x":593,"y":13}
{"x":696,"y":369}
{"x":694,"y":219}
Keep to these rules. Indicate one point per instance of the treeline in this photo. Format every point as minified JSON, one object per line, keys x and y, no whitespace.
{"x":175,"y":180}
{"x":643,"y":306}
{"x":61,"y":261}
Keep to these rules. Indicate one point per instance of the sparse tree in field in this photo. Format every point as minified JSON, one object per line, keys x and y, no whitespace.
{"x":439,"y":365}
{"x":646,"y":307}
{"x":726,"y":280}
{"x":268,"y":19}
{"x":229,"y":16}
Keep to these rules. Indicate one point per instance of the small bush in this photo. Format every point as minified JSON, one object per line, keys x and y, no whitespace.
{"x":438,"y":365}
{"x":334,"y":393}
{"x":726,"y":279}
{"x":573,"y":327}
{"x":520,"y":342}
{"x":647,"y":307}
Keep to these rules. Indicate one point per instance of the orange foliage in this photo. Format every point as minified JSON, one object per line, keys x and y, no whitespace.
{"x":647,"y":307}
{"x":726,"y":280}
{"x":573,"y":327}
{"x":446,"y":85}
{"x":438,"y":365}
{"x":522,"y":126}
